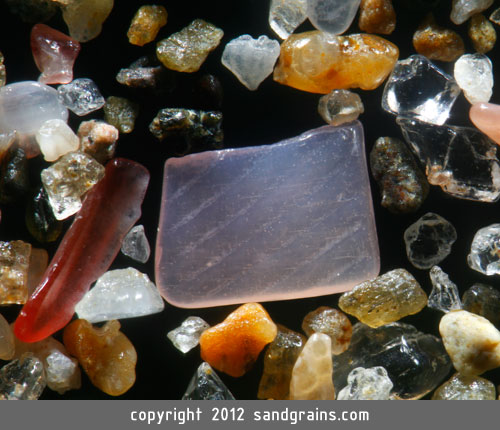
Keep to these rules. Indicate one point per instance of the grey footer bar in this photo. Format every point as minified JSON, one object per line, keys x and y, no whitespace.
{"x":155,"y":414}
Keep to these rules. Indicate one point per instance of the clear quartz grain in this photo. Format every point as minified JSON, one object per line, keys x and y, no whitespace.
{"x":135,"y":244}
{"x":82,"y":96}
{"x":340,"y":106}
{"x":187,"y":335}
{"x":251,"y":60}
{"x":429,"y":240}
{"x":67,"y":180}
{"x":22,"y":379}
{"x":286,"y":15}
{"x":444,"y":295}
{"x":474,"y":75}
{"x":367,"y":384}
{"x":485,"y":250}
{"x":418,"y":89}
{"x":206,"y":385}
{"x":415,"y":362}
{"x":461,"y":160}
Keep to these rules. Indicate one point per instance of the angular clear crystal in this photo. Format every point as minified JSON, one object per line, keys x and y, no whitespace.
{"x":461,"y":160}
{"x":81,"y":96}
{"x":444,"y":295}
{"x":251,"y":60}
{"x":485,"y":250}
{"x":135,"y":244}
{"x":187,"y":335}
{"x":418,"y":89}
{"x":286,"y":15}
{"x":332,"y":16}
{"x":206,"y":385}
{"x":121,"y":293}
{"x":429,"y":240}
{"x":367,"y":384}
{"x":415,"y":362}
{"x":22,"y":379}
{"x":67,"y":180}
{"x":474,"y":74}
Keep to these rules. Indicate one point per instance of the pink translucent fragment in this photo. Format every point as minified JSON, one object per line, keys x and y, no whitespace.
{"x":284,"y":221}
{"x":54,"y":53}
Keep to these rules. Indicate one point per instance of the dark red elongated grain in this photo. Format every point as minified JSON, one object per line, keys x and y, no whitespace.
{"x":87,"y":250}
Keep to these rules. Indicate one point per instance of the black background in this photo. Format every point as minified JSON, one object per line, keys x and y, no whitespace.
{"x":271,"y":113}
